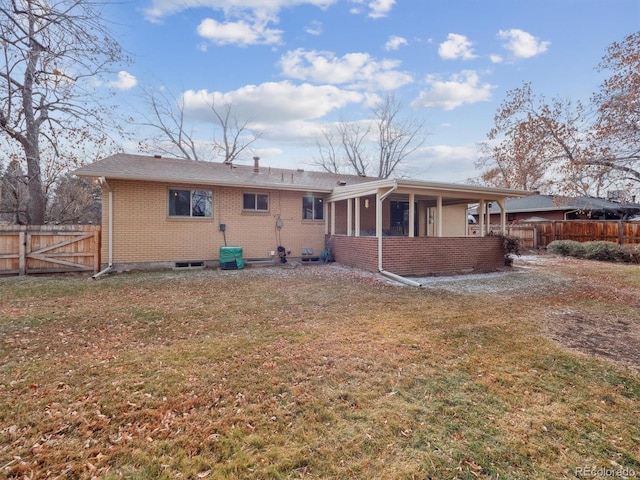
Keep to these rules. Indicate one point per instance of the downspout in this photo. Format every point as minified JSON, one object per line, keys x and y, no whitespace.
{"x":393,"y":276}
{"x":109,"y":267}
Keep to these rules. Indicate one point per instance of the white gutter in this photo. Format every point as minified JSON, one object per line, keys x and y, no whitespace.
{"x":109,"y":267}
{"x":393,"y":276}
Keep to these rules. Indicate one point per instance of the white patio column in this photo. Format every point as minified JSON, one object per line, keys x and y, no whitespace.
{"x":412,"y":214}
{"x":326,"y":218}
{"x":333,"y":218}
{"x":378,"y":215}
{"x":349,"y":217}
{"x":439,"y":217}
{"x":488,"y":218}
{"x":423,"y":220}
{"x":503,"y":216}
{"x":357,"y":225}
{"x":481,"y":220}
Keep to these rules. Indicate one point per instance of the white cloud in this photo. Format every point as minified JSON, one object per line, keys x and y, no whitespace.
{"x":240,"y":33}
{"x":395,"y":42}
{"x":380,"y":8}
{"x":158,"y":9}
{"x":356,"y":70}
{"x":376,"y":8}
{"x":272,"y":102}
{"x":522,"y":44}
{"x":125,"y":81}
{"x":456,"y":47}
{"x":495,"y":58}
{"x":461,"y":89}
{"x":314,"y":28}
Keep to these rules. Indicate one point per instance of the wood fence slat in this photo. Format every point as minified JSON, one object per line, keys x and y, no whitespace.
{"x":22,"y":268}
{"x":615,"y":231}
{"x":49,"y":249}
{"x":78,"y":237}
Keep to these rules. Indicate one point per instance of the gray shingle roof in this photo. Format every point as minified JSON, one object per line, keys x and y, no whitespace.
{"x":125,"y":166}
{"x":551,"y":203}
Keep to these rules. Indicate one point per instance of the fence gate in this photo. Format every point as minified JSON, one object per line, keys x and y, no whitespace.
{"x":49,"y":249}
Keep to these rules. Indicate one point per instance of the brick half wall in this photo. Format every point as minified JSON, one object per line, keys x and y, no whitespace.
{"x":421,"y":256}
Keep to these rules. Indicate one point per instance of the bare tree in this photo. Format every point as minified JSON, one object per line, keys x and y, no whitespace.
{"x":397,"y":137}
{"x":540,"y":145}
{"x":50,"y":50}
{"x":167,"y":116}
{"x":75,"y":200}
{"x":618,"y":103}
{"x":376,"y":147}
{"x":511,"y":164}
{"x":14,"y":195}
{"x":329,"y":158}
{"x":571,"y":147}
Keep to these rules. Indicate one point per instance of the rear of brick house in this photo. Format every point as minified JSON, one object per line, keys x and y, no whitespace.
{"x":409,"y":227}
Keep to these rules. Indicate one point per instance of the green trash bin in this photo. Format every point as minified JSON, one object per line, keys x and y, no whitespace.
{"x":231,"y":258}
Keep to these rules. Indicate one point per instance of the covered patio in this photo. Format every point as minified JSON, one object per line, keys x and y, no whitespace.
{"x":413,"y":228}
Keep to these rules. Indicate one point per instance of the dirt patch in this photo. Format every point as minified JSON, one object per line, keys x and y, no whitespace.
{"x":606,"y":336}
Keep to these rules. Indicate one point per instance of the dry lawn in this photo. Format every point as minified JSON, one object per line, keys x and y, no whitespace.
{"x":322,"y":372}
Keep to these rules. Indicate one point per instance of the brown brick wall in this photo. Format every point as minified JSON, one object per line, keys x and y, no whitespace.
{"x":420,"y":256}
{"x":144,"y":233}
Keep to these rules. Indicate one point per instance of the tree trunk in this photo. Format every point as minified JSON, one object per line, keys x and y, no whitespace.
{"x":37,"y":201}
{"x":31,"y":140}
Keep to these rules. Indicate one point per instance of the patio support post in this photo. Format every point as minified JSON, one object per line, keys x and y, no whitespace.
{"x":357,"y":214}
{"x":412,"y":214}
{"x":439,"y":217}
{"x":333,"y":218}
{"x":349,"y":217}
{"x":488,"y":218}
{"x":422,"y":219}
{"x":503,"y":216}
{"x":481,"y":220}
{"x":326,"y":220}
{"x":378,"y":215}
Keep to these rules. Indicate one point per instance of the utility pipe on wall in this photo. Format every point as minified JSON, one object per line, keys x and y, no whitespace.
{"x":379,"y":199}
{"x":109,"y":267}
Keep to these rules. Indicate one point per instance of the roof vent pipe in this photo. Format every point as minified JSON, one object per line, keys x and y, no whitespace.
{"x":256,"y":164}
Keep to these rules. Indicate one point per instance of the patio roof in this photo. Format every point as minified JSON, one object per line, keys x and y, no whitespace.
{"x":453,"y":193}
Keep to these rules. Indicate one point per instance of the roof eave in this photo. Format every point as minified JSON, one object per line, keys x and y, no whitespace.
{"x":182,"y":181}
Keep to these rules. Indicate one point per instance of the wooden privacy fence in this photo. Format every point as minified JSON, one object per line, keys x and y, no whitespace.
{"x":541,"y":234}
{"x":49,"y":249}
{"x":526,"y":233}
{"x":616,"y":231}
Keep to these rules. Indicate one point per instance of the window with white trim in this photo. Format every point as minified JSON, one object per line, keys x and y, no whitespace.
{"x":312,"y":207}
{"x":255,"y":202}
{"x":190,"y":203}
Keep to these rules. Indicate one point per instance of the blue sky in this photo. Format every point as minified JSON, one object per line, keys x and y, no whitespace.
{"x":291,"y":67}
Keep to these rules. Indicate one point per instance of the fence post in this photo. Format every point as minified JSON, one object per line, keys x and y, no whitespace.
{"x":22,"y":253}
{"x":620,"y":232}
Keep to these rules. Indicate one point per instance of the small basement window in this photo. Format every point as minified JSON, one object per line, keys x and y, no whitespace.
{"x":198,"y":264}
